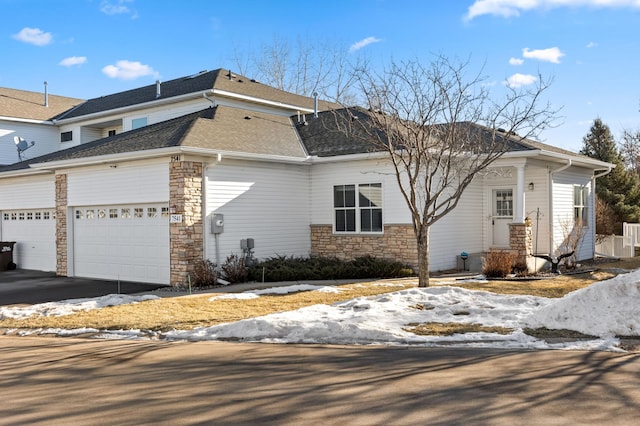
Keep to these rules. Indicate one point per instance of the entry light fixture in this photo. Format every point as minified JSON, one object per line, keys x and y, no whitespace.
{"x":531,"y":186}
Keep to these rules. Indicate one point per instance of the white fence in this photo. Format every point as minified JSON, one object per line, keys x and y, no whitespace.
{"x":620,"y":246}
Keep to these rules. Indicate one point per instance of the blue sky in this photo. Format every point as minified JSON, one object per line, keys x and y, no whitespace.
{"x":89,"y":48}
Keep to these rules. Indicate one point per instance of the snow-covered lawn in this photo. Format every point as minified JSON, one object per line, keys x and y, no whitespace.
{"x":604,"y":309}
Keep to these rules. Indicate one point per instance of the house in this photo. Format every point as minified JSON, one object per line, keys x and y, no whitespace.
{"x":30,"y":115}
{"x":148,"y":182}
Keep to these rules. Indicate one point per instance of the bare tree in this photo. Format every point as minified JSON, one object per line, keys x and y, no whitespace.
{"x":321,"y":67}
{"x":630,"y":150}
{"x":440,"y":129}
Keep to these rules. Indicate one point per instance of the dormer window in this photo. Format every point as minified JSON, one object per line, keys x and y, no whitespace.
{"x":66,"y":136}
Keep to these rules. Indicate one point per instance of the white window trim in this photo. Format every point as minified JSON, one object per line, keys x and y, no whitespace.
{"x":357,"y":208}
{"x":584,"y":206}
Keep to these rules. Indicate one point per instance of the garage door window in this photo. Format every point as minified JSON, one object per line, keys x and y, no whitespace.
{"x":152,"y":212}
{"x":113,"y":213}
{"x":28,"y":215}
{"x":79,"y":214}
{"x":126,"y":213}
{"x":138,"y":212}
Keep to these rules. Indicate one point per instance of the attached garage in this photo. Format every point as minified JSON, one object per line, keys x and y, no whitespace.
{"x":122,"y":242}
{"x":34,"y":232}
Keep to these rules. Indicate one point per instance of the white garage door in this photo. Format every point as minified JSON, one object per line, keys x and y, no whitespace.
{"x":34,"y":232}
{"x":128,"y":243}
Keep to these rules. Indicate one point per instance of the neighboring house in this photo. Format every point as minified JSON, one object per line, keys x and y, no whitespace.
{"x":30,"y":115}
{"x":133,"y":193}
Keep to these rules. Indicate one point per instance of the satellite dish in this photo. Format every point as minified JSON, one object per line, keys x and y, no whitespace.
{"x":22,"y":145}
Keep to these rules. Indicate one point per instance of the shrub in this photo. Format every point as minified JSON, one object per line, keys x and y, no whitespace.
{"x":235,"y":269}
{"x":497,"y":264}
{"x":205,"y":274}
{"x":283,"y":268}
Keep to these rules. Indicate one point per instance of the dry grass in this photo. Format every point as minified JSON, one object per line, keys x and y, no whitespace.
{"x":451,"y":328}
{"x":189,"y":312}
{"x":552,"y":287}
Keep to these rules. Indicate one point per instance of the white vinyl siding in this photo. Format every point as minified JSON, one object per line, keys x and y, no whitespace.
{"x":460,"y":230}
{"x":564,"y":209}
{"x":46,"y":138}
{"x":28,"y":193}
{"x":124,"y":183}
{"x":268,"y":202}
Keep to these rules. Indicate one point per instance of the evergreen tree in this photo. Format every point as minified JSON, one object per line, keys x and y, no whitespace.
{"x":620,"y":189}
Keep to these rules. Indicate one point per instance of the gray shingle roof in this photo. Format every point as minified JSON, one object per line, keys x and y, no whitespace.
{"x":200,"y":82}
{"x":324,"y":137}
{"x":161,"y":135}
{"x":218,"y":129}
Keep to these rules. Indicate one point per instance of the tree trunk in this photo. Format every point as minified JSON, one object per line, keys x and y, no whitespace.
{"x":423,"y":256}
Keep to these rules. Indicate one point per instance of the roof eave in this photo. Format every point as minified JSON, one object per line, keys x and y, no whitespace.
{"x":144,"y":105}
{"x":24,"y":172}
{"x":581,"y":160}
{"x":106,"y":159}
{"x":26,"y":120}
{"x":261,"y":101}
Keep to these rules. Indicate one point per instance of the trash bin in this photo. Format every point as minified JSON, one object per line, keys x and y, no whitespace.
{"x":6,"y":255}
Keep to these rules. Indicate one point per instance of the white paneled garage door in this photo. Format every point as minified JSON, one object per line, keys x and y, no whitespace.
{"x":125,"y":242}
{"x":34,"y":232}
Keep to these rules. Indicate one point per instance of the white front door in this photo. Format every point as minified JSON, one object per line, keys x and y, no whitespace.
{"x":501,"y":216}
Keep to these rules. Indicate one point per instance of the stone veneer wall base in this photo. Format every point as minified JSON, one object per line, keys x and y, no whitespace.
{"x":398,"y":243}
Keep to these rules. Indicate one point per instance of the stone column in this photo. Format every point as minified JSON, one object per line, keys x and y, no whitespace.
{"x":520,"y":241}
{"x":186,"y":238}
{"x":61,"y":226}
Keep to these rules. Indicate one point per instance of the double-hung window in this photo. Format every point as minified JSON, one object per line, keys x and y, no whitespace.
{"x":581,"y":205}
{"x":358,"y":208}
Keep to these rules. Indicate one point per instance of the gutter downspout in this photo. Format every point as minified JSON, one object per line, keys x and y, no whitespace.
{"x":551,"y":230}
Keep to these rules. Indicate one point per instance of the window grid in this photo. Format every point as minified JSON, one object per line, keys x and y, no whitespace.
{"x":580,"y":205}
{"x":361,"y":213}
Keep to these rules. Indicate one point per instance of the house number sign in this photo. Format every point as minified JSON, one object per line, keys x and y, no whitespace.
{"x":175,"y":218}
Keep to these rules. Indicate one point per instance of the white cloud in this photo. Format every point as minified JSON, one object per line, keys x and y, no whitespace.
{"x":509,"y":8}
{"x":516,"y":61}
{"x":518,"y":80}
{"x":552,"y":54}
{"x":73,"y":60}
{"x":117,"y":7}
{"x":127,"y":70}
{"x":34,"y":36}
{"x":591,"y":44}
{"x":363,"y":43}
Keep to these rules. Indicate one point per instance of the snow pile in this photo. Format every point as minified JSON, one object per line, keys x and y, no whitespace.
{"x":68,"y":307}
{"x":607,"y":308}
{"x":252,"y":294}
{"x":381,"y":319}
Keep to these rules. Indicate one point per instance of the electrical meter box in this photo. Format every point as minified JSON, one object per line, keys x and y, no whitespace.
{"x":217,"y":223}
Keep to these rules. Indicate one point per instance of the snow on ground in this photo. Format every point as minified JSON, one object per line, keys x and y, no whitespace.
{"x":604,"y":309}
{"x":68,"y":307}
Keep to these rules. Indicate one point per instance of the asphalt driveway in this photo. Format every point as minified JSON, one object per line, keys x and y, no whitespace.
{"x":23,"y":286}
